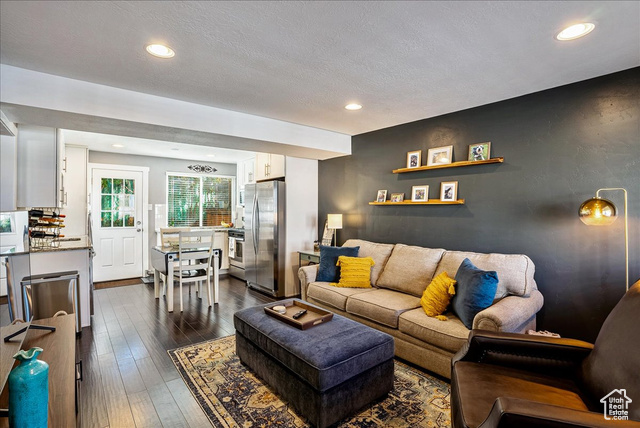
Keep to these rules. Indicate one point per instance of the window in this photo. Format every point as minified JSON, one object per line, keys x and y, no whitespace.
{"x":197,"y":200}
{"x":117,"y":204}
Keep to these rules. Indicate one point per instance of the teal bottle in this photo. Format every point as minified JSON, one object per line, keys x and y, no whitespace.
{"x":29,"y":391}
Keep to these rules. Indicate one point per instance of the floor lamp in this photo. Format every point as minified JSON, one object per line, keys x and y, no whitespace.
{"x":334,"y":222}
{"x":602,"y":212}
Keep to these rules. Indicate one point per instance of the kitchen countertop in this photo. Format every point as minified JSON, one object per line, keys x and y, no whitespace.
{"x":79,"y":243}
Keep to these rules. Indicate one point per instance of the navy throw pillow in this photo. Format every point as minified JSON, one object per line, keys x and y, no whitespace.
{"x":328,"y":271}
{"x":475,"y":291}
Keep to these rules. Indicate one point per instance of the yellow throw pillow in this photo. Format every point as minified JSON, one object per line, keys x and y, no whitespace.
{"x":437,"y":295}
{"x":355,"y":272}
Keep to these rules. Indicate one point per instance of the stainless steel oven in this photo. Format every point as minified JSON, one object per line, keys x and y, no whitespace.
{"x":236,"y":253}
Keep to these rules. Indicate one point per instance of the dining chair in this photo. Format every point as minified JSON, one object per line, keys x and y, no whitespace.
{"x":195,"y":250}
{"x":169,"y":238}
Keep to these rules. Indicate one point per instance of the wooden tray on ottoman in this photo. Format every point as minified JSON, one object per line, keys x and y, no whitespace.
{"x":314,"y":316}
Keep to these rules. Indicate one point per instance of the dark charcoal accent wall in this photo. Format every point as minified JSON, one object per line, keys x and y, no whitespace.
{"x":559,"y":146}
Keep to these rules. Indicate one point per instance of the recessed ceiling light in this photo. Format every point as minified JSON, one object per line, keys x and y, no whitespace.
{"x":353,"y":106}
{"x":117,"y":145}
{"x":161,"y":51}
{"x":211,"y":156}
{"x":575,"y":31}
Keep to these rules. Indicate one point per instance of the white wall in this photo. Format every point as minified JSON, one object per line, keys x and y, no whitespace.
{"x":8,"y":171}
{"x":302,"y":215}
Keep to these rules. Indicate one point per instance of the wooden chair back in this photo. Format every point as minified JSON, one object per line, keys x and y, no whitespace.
{"x":189,"y":258}
{"x":169,"y":235}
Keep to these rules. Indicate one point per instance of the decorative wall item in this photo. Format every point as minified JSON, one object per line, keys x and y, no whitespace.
{"x":327,"y":234}
{"x":397,"y":197}
{"x":419,"y":193}
{"x":29,"y":385}
{"x":202,"y":168}
{"x":440,"y":155}
{"x":448,"y":191}
{"x":479,"y":151}
{"x":414,"y":159}
{"x":382,"y":196}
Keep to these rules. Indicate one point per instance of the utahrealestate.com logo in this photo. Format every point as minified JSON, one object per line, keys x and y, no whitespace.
{"x":616,"y":405}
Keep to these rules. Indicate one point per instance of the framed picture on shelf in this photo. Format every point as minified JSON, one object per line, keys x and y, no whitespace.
{"x":397,"y":197}
{"x":440,"y":155}
{"x":327,"y":235}
{"x":414,"y":159}
{"x":479,"y":151}
{"x":382,"y":196}
{"x":419,"y":193}
{"x":449,"y":191}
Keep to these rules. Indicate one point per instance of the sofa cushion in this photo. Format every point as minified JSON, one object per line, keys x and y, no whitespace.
{"x":328,"y":270}
{"x":332,"y":296}
{"x":449,"y":335}
{"x":381,"y":306}
{"x":355,"y":272}
{"x":474,"y":292}
{"x":514,"y":270}
{"x":410,"y":269}
{"x":378,"y":252}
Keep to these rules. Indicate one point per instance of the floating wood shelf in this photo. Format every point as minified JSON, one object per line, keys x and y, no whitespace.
{"x":449,"y":165}
{"x":429,"y":202}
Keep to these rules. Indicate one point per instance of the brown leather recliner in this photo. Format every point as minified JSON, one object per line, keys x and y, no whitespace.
{"x":517,"y":380}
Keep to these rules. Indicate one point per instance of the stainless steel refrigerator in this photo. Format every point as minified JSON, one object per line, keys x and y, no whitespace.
{"x":264,"y":249}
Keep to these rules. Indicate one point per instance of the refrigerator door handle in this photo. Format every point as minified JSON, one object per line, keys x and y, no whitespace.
{"x":253,"y":223}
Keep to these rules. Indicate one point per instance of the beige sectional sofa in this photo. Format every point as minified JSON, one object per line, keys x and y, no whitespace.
{"x":400,"y":275}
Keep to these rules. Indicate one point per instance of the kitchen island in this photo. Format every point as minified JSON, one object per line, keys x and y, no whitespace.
{"x":70,"y":255}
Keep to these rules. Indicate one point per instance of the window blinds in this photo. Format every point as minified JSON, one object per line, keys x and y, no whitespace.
{"x":195,"y":201}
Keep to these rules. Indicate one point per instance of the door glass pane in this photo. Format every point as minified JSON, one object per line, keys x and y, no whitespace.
{"x":129,"y":187}
{"x":117,"y":219}
{"x":106,"y":185}
{"x":129,"y":202}
{"x":129,"y":220}
{"x":106,"y":202}
{"x":117,"y":200}
{"x":118,"y":186}
{"x":105,"y":219}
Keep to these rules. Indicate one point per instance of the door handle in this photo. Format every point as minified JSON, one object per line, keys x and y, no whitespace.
{"x":253,"y":222}
{"x":138,"y":230}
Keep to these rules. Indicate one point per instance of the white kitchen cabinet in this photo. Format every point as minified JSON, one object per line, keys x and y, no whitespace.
{"x":248,"y":170}
{"x":76,"y":191}
{"x":40,"y":167}
{"x":269,"y":166}
{"x":221,"y":240}
{"x":8,"y":172}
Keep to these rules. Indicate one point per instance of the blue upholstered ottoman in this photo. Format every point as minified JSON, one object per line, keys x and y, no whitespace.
{"x":327,"y":372}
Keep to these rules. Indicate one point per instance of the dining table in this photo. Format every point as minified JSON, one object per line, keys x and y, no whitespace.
{"x":163,"y":259}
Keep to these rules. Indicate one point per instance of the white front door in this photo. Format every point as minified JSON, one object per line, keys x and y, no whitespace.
{"x":116,"y":216}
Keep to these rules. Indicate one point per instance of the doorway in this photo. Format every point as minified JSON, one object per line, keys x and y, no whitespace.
{"x":119,"y":221}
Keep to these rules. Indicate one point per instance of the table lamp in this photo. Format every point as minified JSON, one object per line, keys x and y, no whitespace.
{"x":602,"y":212}
{"x":334,"y":222}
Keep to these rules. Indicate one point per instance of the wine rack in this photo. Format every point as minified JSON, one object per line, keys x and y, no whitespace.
{"x":45,"y":227}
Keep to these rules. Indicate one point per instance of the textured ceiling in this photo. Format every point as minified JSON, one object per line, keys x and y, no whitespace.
{"x":303,"y":61}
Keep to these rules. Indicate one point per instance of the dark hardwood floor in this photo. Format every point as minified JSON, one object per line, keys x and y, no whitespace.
{"x":129,"y":379}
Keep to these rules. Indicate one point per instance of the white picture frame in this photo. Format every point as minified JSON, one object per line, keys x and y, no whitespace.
{"x":440,"y":155}
{"x":420,"y":193}
{"x":382,"y":196}
{"x":449,"y":191}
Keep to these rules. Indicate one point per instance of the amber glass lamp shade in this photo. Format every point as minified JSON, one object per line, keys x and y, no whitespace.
{"x":597,"y":212}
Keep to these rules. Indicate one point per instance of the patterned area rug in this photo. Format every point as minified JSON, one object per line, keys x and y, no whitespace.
{"x":232,"y":396}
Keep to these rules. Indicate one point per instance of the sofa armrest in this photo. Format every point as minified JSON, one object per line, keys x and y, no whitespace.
{"x":518,"y":413}
{"x":550,"y":355}
{"x":509,"y":313}
{"x":307,"y":275}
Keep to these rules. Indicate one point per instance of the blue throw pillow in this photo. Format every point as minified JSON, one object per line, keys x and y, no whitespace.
{"x":475,"y":291}
{"x":328,"y":271}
